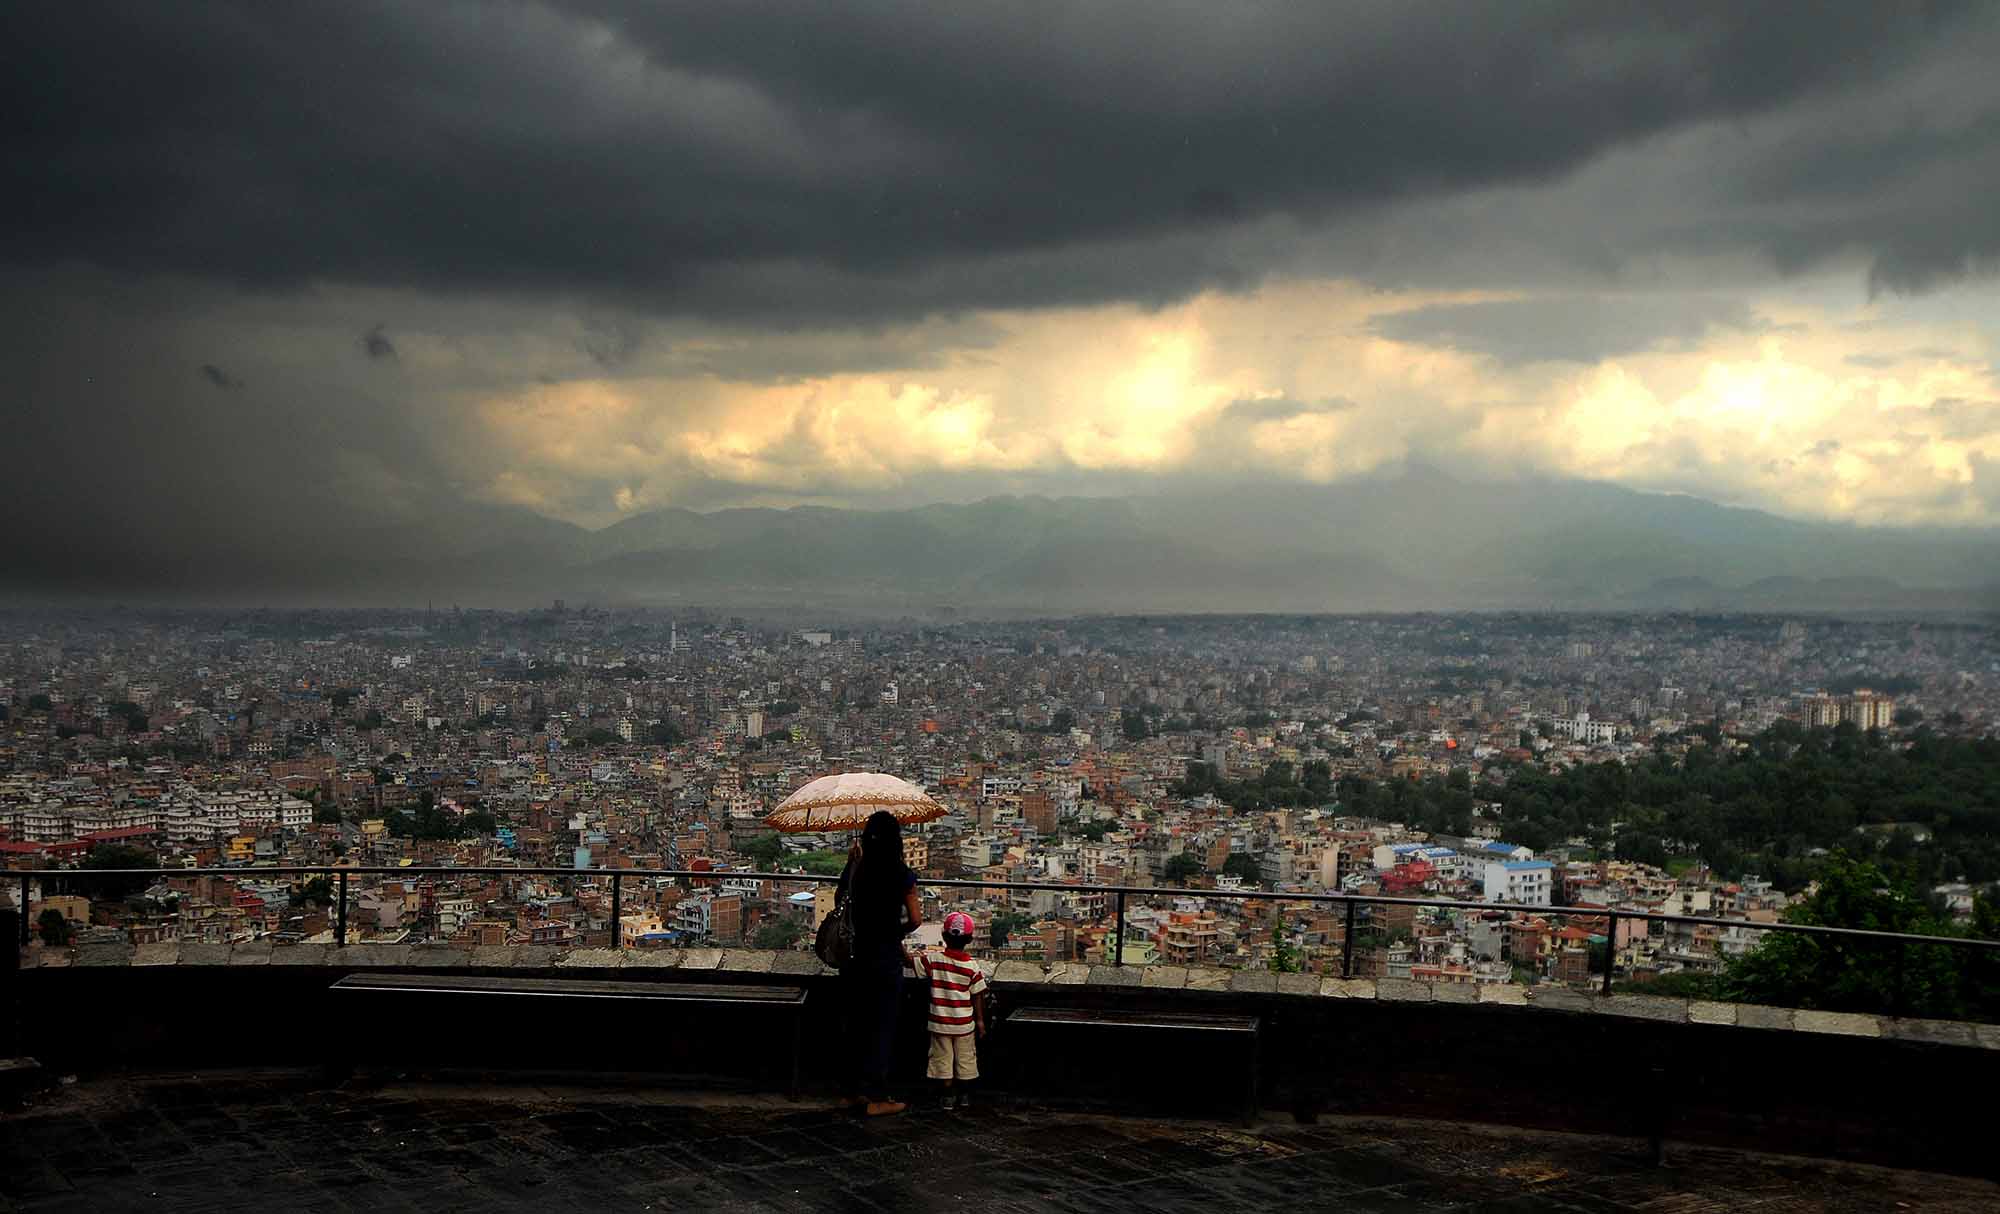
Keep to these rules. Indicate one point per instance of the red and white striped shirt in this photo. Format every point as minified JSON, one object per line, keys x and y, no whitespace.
{"x":956,"y":980}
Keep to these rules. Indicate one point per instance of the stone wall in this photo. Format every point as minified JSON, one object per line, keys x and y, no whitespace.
{"x":1853,"y":1086}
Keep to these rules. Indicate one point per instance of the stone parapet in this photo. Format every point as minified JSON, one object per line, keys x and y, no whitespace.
{"x":1148,"y":982}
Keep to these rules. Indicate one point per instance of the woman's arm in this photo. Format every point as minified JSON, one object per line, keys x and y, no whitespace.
{"x":915,"y":907}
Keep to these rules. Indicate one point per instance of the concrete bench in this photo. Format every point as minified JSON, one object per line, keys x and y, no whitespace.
{"x":1210,"y":1029}
{"x":594,"y":999}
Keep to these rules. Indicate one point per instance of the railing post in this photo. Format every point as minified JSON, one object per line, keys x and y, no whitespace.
{"x":1901,"y":1006}
{"x":616,"y":896}
{"x":340,"y":919}
{"x":27,"y":930}
{"x":1610,"y":946}
{"x":1347,"y":942}
{"x":1118,"y":929}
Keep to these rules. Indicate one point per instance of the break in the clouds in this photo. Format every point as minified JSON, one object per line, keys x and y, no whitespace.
{"x":583,"y":259}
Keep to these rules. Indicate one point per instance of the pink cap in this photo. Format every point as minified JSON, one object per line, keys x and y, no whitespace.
{"x":958,"y":923}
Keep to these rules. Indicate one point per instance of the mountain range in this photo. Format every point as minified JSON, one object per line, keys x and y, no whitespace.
{"x":1414,"y":540}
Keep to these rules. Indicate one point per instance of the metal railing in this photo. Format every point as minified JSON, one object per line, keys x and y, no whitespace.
{"x":616,"y":876}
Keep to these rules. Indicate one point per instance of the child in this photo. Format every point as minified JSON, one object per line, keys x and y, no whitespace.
{"x":957,"y":1009}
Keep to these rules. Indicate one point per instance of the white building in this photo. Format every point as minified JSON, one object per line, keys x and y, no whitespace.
{"x":1582,"y":729}
{"x":1523,"y":882}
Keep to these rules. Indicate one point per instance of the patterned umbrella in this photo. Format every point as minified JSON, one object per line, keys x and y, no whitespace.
{"x":845,"y":802}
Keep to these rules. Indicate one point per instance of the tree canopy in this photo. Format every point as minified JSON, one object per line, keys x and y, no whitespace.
{"x":1926,"y":806}
{"x":1792,"y":969}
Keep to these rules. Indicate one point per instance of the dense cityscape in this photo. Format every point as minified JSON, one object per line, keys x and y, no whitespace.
{"x":1456,"y":757}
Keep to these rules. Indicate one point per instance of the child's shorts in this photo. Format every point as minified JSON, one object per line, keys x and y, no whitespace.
{"x":958,"y":1053}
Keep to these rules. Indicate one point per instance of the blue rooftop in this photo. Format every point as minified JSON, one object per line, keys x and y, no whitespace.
{"x":1515,"y":866}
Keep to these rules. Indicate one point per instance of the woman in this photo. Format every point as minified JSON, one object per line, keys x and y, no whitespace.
{"x":885,"y":907}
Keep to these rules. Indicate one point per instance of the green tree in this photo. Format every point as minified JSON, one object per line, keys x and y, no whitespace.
{"x":1093,"y":829}
{"x":778,"y":933}
{"x":1244,"y":865}
{"x":53,"y":928}
{"x":1181,"y":867}
{"x":1005,"y":924}
{"x":1791,"y":969}
{"x":664,"y":733}
{"x":315,"y":891}
{"x":115,"y":856}
{"x":766,"y":850}
{"x":1135,"y":726}
{"x":1284,"y":958}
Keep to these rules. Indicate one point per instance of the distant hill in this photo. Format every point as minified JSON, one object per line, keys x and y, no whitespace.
{"x":1415,"y":540}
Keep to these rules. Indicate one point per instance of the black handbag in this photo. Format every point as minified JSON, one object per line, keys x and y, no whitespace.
{"x":835,"y":942}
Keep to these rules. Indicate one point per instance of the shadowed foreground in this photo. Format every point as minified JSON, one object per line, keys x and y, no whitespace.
{"x":271,"y":1141}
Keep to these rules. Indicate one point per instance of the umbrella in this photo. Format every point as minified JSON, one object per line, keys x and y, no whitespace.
{"x":844,"y":802}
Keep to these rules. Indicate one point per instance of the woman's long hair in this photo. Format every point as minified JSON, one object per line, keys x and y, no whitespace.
{"x":882,"y":838}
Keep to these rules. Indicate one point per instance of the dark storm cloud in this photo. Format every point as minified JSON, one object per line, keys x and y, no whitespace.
{"x":650,"y":154}
{"x":220,"y":378}
{"x":377,"y":344}
{"x":1566,"y":328}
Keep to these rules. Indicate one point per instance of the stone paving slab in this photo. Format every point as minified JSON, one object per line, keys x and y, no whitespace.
{"x":250,"y":952}
{"x":1454,"y":992}
{"x":783,"y":963}
{"x":161,"y":952}
{"x":1023,"y":972}
{"x":1846,"y":1024}
{"x":1646,"y":1007}
{"x":1702,"y":1011}
{"x":1757,"y":1016}
{"x":747,"y":961}
{"x":1934,"y":1032}
{"x":1402,"y":990}
{"x":267,"y":1141}
{"x":193,"y":953}
{"x":1298,"y":984}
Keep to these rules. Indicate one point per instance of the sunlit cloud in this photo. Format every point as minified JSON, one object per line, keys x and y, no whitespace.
{"x":1810,"y":413}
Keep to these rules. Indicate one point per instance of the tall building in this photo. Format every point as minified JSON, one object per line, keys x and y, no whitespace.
{"x":1868,"y":710}
{"x":1038,"y":810}
{"x":1864,"y":709}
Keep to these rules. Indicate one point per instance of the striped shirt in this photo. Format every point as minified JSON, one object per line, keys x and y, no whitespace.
{"x":956,"y":980}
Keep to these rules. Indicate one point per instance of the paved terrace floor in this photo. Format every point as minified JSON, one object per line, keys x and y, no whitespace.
{"x":252,"y":1142}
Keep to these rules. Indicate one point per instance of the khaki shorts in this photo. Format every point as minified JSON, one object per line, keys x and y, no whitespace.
{"x":958,"y":1052}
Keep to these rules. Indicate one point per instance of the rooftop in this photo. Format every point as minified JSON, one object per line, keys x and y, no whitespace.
{"x":273,"y":1140}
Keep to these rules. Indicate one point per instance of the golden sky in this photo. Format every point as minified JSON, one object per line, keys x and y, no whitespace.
{"x":1865,"y":412}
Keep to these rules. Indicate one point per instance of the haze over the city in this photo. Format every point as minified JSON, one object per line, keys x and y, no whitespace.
{"x":1359,"y":306}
